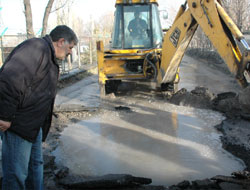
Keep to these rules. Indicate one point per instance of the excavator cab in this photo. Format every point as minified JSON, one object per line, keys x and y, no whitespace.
{"x":136,"y":26}
{"x":136,"y":45}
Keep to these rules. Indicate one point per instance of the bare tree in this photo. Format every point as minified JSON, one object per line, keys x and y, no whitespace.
{"x":63,"y":14}
{"x":59,"y":8}
{"x":46,"y":16}
{"x":28,"y":17}
{"x":48,"y":10}
{"x":239,"y":12}
{"x":201,"y":41}
{"x":103,"y":28}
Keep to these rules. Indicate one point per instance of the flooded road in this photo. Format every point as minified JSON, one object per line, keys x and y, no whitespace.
{"x":143,"y":136}
{"x":156,"y":140}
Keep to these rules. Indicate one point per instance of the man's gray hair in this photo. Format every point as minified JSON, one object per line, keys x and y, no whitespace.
{"x":63,"y":31}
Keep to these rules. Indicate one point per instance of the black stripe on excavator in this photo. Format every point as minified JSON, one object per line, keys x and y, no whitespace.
{"x":228,"y":32}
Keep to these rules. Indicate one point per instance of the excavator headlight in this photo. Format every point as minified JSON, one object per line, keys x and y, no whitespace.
{"x":245,"y":44}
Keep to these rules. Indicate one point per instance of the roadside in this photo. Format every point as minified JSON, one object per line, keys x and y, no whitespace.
{"x":76,"y":75}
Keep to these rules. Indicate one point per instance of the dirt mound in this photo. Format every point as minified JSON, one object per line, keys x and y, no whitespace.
{"x":200,"y":97}
{"x":231,"y":104}
{"x":236,"y":138}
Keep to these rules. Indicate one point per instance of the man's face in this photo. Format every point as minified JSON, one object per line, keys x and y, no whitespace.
{"x":137,"y":15}
{"x":63,"y":48}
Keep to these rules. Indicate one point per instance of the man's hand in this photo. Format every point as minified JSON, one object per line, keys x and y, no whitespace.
{"x":4,"y":125}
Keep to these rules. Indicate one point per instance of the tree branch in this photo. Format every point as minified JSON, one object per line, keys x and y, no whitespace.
{"x":63,"y":5}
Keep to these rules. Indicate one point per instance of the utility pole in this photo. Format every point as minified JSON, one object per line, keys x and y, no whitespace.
{"x":90,"y":41}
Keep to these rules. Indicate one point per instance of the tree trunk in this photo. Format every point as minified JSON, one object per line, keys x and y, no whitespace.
{"x":28,"y":17}
{"x":46,"y":17}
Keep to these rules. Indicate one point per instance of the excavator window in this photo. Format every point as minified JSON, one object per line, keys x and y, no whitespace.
{"x":156,"y":27}
{"x":136,"y":27}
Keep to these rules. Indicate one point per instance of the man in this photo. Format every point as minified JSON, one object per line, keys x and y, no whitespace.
{"x":28,"y":82}
{"x":137,"y":27}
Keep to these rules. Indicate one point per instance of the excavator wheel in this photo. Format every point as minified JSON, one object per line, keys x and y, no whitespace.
{"x":102,"y":90}
{"x":109,"y":87}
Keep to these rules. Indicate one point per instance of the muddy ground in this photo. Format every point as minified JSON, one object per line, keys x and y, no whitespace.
{"x":235,"y":138}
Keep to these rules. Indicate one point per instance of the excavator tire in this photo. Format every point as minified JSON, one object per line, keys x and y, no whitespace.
{"x":110,"y":86}
{"x":102,"y":90}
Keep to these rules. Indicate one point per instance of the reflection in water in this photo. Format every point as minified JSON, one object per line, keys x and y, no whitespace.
{"x":152,"y":142}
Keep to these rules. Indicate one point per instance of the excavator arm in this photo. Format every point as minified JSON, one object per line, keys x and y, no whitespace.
{"x":218,"y":27}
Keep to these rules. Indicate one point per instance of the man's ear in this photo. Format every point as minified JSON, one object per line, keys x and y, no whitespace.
{"x":60,"y":42}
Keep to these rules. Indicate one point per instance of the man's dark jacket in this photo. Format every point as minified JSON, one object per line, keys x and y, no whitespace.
{"x":28,"y":82}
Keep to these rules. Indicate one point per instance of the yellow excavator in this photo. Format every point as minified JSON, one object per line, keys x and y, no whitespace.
{"x":140,"y":50}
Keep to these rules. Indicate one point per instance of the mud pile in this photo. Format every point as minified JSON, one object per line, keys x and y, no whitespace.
{"x":200,"y":97}
{"x":238,"y":181}
{"x":231,"y":104}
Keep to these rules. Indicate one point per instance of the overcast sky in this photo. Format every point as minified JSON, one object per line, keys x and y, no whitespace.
{"x":12,"y":12}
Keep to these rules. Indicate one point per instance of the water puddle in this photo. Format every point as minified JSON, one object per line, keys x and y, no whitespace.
{"x":84,"y":92}
{"x":156,"y":140}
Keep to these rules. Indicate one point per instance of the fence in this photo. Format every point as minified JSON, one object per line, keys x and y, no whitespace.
{"x":84,"y":53}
